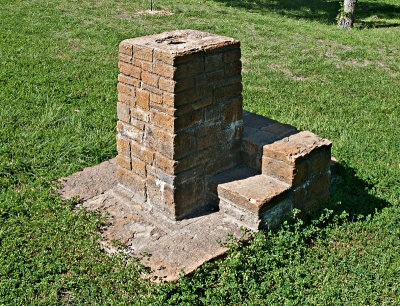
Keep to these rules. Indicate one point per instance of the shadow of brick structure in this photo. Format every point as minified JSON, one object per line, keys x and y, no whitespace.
{"x":192,"y":165}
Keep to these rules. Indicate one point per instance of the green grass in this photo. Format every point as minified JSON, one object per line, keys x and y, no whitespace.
{"x":58,"y":75}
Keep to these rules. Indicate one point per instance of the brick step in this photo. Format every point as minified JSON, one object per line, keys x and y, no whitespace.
{"x":256,"y":201}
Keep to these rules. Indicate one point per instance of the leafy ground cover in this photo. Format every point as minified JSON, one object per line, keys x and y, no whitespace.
{"x":58,"y":75}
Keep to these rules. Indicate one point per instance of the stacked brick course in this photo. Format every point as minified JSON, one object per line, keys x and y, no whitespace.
{"x":185,"y":145}
{"x":180,"y":117}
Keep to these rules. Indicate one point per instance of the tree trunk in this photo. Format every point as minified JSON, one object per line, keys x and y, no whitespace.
{"x":346,"y":18}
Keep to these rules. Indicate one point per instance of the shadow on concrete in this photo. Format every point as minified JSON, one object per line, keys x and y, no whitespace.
{"x":324,"y":11}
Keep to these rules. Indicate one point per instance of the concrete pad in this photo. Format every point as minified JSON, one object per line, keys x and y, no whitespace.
{"x":173,"y":247}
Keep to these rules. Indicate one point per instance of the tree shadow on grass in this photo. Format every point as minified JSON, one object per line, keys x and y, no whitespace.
{"x":324,"y":11}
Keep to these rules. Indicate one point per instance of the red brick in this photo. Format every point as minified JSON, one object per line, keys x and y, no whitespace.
{"x":129,"y":69}
{"x":194,"y":106}
{"x":164,"y":70}
{"x":175,"y":86}
{"x":143,"y":53}
{"x":123,"y":112}
{"x":128,"y":80}
{"x":150,"y":78}
{"x":169,"y":99}
{"x":125,"y":48}
{"x":278,"y":170}
{"x":142,"y":99}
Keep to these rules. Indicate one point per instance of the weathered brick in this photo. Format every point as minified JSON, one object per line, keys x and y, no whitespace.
{"x":166,"y":109}
{"x":127,"y":99}
{"x":129,"y":70}
{"x":189,"y":70}
{"x":150,"y":78}
{"x":234,"y":68}
{"x":141,"y":152}
{"x":320,"y":161}
{"x":164,"y":57}
{"x":144,"y":65}
{"x":184,"y":144}
{"x":232,"y":55}
{"x":164,"y":70}
{"x":123,"y":112}
{"x":222,"y":163}
{"x":125,"y":48}
{"x":189,"y":120}
{"x":160,"y":195}
{"x":152,"y":89}
{"x":212,"y":113}
{"x":319,"y":184}
{"x":252,"y":160}
{"x":279,"y":129}
{"x":142,"y":99}
{"x":137,"y":124}
{"x":164,"y":163}
{"x":130,"y":131}
{"x":175,"y":86}
{"x":156,"y":98}
{"x":210,"y":77}
{"x":194,"y":106}
{"x":138,"y":167}
{"x":125,"y":58}
{"x":123,"y":162}
{"x":123,"y":146}
{"x":126,"y":89}
{"x":228,"y":91}
{"x":140,"y":114}
{"x":143,"y":53}
{"x":160,"y":140}
{"x":206,"y":141}
{"x":278,"y":170}
{"x":214,"y":62}
{"x":232,"y":111}
{"x":133,"y":182}
{"x":128,"y":80}
{"x":162,"y":120}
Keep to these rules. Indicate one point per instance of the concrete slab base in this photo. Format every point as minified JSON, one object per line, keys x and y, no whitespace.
{"x":173,"y":247}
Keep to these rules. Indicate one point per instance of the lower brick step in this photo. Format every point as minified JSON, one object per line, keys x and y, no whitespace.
{"x":256,"y":202}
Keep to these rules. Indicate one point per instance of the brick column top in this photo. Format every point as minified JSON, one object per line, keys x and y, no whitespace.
{"x":179,"y":42}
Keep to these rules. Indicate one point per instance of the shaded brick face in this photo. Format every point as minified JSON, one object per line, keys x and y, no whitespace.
{"x":180,"y":116}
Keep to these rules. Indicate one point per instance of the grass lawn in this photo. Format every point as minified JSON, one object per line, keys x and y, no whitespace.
{"x":58,"y":76}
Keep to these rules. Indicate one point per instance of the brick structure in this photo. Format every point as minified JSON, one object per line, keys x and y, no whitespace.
{"x":180,"y":117}
{"x":185,"y":145}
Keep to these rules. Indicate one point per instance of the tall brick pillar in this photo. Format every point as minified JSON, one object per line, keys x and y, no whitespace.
{"x":180,"y":117}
